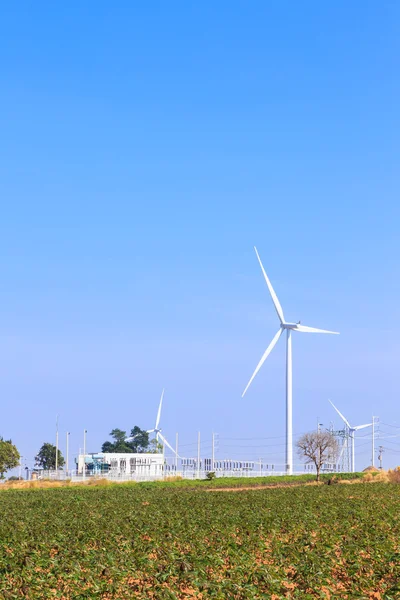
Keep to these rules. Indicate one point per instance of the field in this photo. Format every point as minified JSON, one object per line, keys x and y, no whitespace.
{"x":175,"y":541}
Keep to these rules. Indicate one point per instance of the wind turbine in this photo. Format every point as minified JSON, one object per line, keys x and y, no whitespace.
{"x":352,"y":431}
{"x":157,"y":430}
{"x":288,"y":327}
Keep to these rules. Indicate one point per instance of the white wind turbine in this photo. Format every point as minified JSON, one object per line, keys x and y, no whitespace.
{"x":289,"y":327}
{"x":352,"y":431}
{"x":157,"y":430}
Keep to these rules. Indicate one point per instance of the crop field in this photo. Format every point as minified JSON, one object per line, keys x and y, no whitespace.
{"x":166,"y":542}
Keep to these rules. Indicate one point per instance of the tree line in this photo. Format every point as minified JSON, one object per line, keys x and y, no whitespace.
{"x":139,"y":441}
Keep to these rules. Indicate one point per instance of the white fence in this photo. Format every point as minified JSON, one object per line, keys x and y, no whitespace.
{"x":184,"y":474}
{"x":184,"y":469}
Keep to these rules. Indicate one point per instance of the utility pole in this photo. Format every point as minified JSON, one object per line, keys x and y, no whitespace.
{"x":198,"y":455}
{"x":67,"y":452}
{"x":176,"y":452}
{"x":373,"y":442}
{"x":213,"y":452}
{"x":381,"y":451}
{"x":84,"y":453}
{"x":374,"y":420}
{"x":57,"y":443}
{"x":318,"y":432}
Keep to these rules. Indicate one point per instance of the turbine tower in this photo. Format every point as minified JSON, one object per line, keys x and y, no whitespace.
{"x":288,"y":327}
{"x":351,"y":431}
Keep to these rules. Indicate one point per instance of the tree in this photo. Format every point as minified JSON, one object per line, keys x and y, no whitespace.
{"x":155,"y":447}
{"x":9,"y":456}
{"x":107,"y":447}
{"x":46,"y":457}
{"x":139,"y":443}
{"x":119,"y":444}
{"x":317,"y":447}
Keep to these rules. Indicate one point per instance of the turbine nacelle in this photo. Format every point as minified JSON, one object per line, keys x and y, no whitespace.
{"x":289,"y":325}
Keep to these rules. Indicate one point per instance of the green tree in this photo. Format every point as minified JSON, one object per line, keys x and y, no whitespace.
{"x":46,"y":457}
{"x":119,"y":444}
{"x":138,"y":441}
{"x":9,"y":456}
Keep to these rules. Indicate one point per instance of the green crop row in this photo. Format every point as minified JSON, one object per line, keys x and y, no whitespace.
{"x":166,"y":542}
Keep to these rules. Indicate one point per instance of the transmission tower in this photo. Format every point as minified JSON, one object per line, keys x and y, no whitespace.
{"x":343,"y":462}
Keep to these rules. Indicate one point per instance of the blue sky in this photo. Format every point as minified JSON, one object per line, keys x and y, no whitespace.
{"x":144,"y":150}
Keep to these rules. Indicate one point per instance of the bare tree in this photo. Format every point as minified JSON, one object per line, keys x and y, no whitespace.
{"x":317,"y":447}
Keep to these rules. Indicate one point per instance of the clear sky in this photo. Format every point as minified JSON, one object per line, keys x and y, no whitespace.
{"x":144,"y":149}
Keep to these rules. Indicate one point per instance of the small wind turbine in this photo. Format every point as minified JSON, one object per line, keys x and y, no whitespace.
{"x":157,"y":430}
{"x":352,"y":431}
{"x":289,"y":327}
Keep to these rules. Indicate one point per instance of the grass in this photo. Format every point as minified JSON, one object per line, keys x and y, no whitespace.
{"x":167,"y":542}
{"x":221,"y":482}
{"x":273,"y":480}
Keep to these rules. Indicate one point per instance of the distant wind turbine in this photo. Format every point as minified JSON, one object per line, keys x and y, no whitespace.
{"x":289,"y":327}
{"x":352,"y":431}
{"x":157,"y":430}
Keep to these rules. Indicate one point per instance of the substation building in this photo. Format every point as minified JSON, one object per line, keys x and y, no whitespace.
{"x":121,"y":465}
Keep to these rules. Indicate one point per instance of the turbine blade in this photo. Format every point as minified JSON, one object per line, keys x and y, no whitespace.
{"x":165,"y":441}
{"x":341,"y":416}
{"x":159,"y":410}
{"x":274,"y":297}
{"x":362,"y":426}
{"x":150,"y":431}
{"x":264,"y":357}
{"x":306,"y":329}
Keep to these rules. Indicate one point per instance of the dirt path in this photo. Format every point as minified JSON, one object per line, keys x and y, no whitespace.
{"x":263,"y":487}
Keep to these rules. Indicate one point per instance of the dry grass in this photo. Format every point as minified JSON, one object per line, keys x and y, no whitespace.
{"x":394,"y":475}
{"x":23,"y":485}
{"x":173,"y":478}
{"x":45,"y":483}
{"x":381,"y":477}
